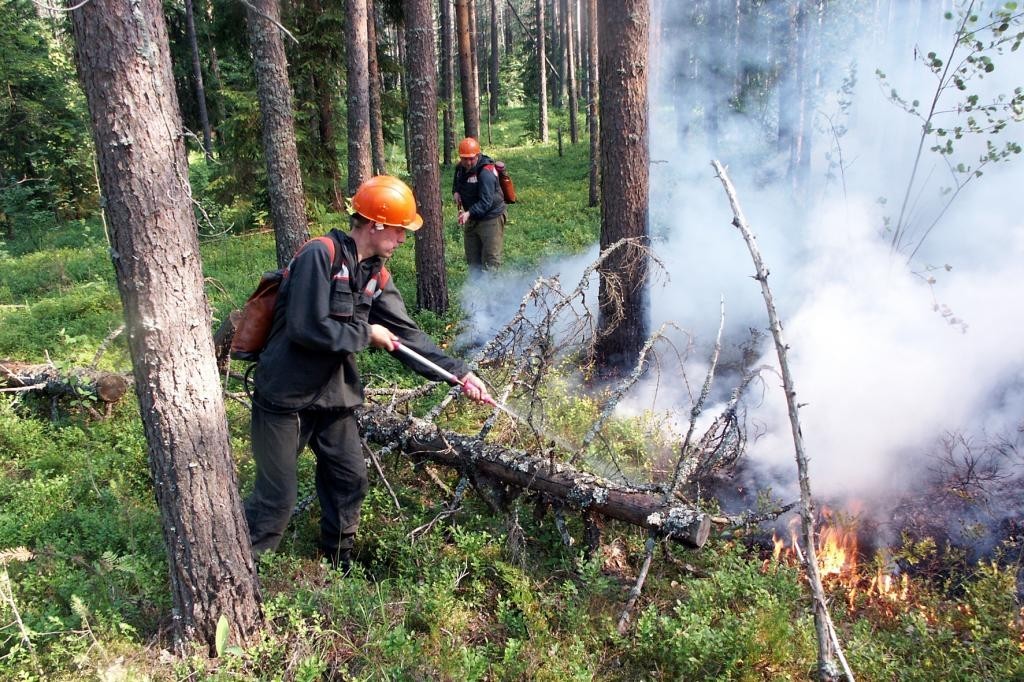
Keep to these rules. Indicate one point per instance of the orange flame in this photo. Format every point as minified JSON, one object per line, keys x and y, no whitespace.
{"x":837,"y":559}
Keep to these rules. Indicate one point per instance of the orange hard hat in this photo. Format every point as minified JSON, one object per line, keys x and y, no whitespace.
{"x":469,"y":147}
{"x":386,"y":199}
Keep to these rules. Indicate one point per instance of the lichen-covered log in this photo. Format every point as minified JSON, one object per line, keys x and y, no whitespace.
{"x":19,"y":377}
{"x":575,"y":489}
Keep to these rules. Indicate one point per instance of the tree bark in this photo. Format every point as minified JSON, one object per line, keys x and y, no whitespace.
{"x":125,"y":67}
{"x":542,"y":75}
{"x":592,"y":107}
{"x":375,"y":90}
{"x":520,"y":470}
{"x":470,"y":96}
{"x":431,"y":277}
{"x":623,"y":321}
{"x":284,"y":181}
{"x":357,"y":94}
{"x":197,"y":74}
{"x":447,"y":80}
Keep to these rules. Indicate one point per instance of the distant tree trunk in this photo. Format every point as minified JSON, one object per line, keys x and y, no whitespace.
{"x":431,"y":277}
{"x":215,"y":95}
{"x":375,"y":90}
{"x":507,"y":25}
{"x":542,"y":95}
{"x":495,"y":88}
{"x":474,"y":37}
{"x":447,"y":80}
{"x":328,"y":150}
{"x":125,"y":67}
{"x":559,"y":40}
{"x":284,"y":181}
{"x":197,"y":74}
{"x":357,"y":94}
{"x":592,"y":107}
{"x":404,"y":85}
{"x":793,"y":109}
{"x":574,"y":135}
{"x":583,"y":50}
{"x":470,"y":98}
{"x":623,"y":324}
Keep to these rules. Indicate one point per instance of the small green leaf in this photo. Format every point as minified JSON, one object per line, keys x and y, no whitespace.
{"x":222,"y":634}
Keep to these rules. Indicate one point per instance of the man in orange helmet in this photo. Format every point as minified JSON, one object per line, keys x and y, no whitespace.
{"x":481,"y":206}
{"x":331,"y":306}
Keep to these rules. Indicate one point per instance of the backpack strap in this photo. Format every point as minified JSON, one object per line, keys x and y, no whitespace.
{"x":375,"y":287}
{"x":332,"y":250}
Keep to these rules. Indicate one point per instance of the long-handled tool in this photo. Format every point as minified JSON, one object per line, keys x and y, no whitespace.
{"x":448,"y":376}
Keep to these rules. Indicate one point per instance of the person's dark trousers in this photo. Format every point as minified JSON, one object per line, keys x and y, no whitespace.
{"x":341,"y":481}
{"x":483,"y":241}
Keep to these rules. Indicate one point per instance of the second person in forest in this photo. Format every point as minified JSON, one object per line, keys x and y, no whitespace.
{"x":481,"y":207}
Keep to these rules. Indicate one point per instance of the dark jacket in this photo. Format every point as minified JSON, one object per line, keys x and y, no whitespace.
{"x":321,"y":322}
{"x":478,"y":187}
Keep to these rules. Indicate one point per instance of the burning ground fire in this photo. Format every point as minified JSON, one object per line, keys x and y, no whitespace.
{"x":837,"y":555}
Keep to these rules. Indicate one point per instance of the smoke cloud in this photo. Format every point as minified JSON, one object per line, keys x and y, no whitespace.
{"x":889,"y":354}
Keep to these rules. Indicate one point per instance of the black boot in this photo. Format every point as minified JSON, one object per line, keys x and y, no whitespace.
{"x":340,"y":559}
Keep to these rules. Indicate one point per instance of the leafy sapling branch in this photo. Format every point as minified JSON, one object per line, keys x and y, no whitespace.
{"x":960,"y":109}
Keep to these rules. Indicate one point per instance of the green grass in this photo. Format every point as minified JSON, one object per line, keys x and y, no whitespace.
{"x":453,"y":604}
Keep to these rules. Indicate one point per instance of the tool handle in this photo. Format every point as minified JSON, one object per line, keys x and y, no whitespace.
{"x":413,"y":355}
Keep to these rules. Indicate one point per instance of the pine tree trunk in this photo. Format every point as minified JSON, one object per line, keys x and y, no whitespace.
{"x":558,"y":50}
{"x":357,"y":90}
{"x":326,"y":142}
{"x":623,"y":324}
{"x":470,"y":96}
{"x":125,"y":67}
{"x":447,"y":80}
{"x":197,"y":74}
{"x":495,"y":88}
{"x":431,"y":277}
{"x":284,"y":181}
{"x":478,"y":47}
{"x":375,"y":90}
{"x":592,"y":107}
{"x":542,"y":72}
{"x":215,"y":85}
{"x":574,"y":135}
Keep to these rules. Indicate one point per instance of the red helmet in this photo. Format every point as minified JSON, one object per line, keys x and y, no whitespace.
{"x":468,"y":147}
{"x":386,"y":199}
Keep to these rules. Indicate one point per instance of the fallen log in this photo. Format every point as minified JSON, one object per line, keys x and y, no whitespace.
{"x":20,"y":377}
{"x":575,"y":489}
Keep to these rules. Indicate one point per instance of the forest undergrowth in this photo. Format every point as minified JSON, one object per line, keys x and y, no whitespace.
{"x":84,"y":591}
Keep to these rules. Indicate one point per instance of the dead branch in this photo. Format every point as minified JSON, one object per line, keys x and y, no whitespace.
{"x":634,"y":593}
{"x":520,"y":471}
{"x":47,"y":379}
{"x":620,"y":390}
{"x":688,"y":460}
{"x":822,"y":620}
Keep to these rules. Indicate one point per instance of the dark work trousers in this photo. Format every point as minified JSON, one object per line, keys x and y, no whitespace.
{"x":483,"y":241}
{"x":341,"y":483}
